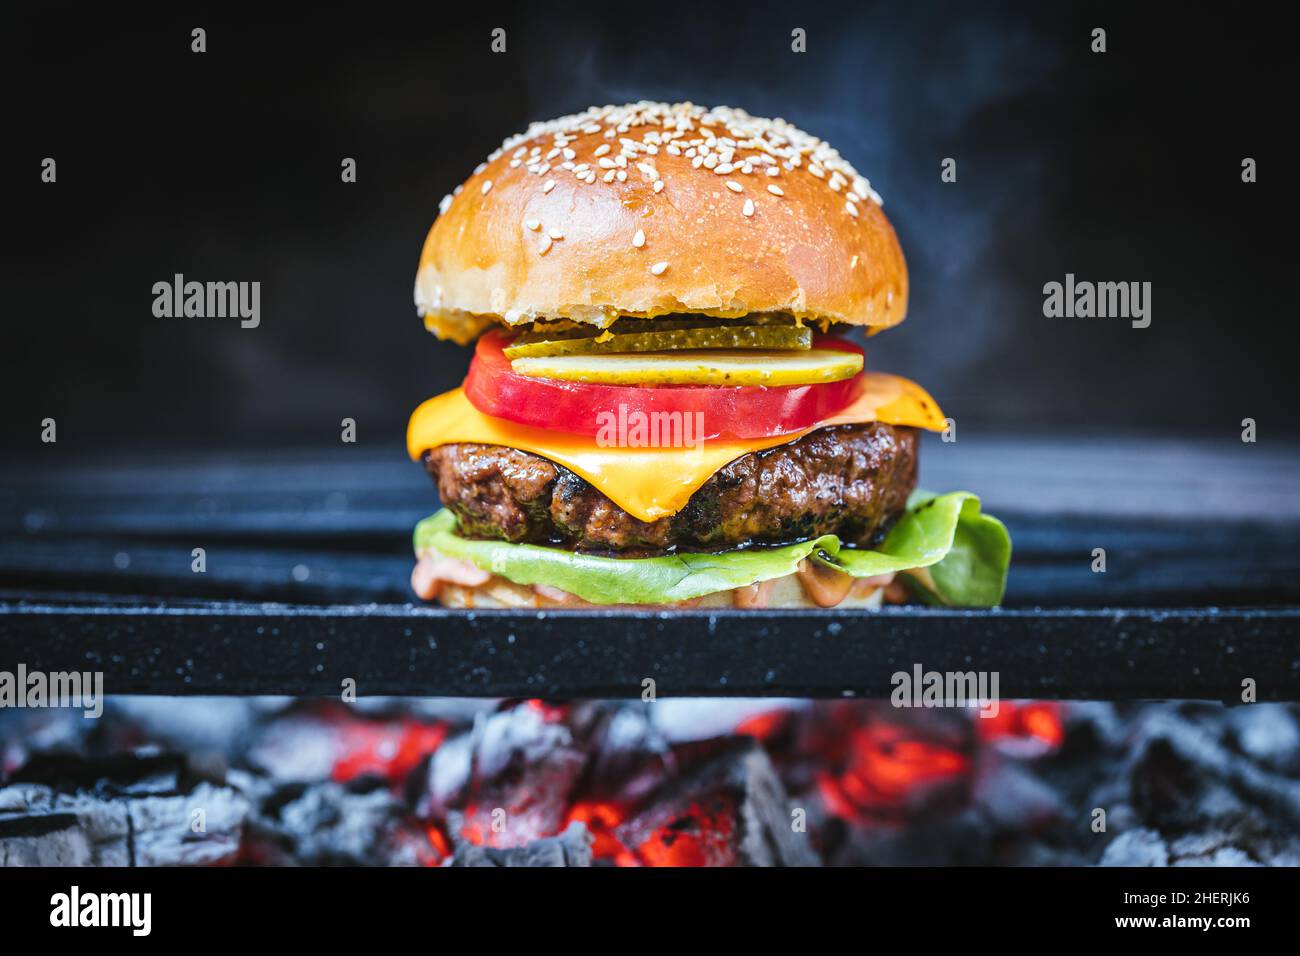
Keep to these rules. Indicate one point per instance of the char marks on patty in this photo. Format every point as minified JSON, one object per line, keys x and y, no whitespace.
{"x":848,"y":480}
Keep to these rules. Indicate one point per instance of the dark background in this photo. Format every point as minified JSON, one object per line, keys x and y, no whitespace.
{"x":225,"y":166}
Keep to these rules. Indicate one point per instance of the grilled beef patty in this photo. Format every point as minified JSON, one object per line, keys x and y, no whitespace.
{"x":850,"y":480}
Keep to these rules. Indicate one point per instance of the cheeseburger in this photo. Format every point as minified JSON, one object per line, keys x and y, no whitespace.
{"x":665,"y":406}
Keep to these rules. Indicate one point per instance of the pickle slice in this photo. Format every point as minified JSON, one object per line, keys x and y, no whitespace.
{"x":703,"y":367}
{"x":716,"y":337}
{"x":547,"y":330}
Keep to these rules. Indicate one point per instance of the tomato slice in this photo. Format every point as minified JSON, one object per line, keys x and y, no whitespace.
{"x":752,"y":411}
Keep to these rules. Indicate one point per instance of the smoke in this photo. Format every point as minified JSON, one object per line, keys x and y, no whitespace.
{"x":896,"y":90}
{"x":1120,"y":167}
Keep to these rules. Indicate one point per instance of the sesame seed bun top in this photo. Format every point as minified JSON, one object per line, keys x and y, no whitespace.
{"x":650,"y":209}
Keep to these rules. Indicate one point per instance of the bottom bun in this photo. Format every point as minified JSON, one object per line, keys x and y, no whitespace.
{"x":811,"y":586}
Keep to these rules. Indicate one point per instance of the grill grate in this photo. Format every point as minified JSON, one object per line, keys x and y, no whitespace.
{"x":96,"y":564}
{"x":232,"y":648}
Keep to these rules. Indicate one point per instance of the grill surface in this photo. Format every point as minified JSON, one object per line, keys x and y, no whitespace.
{"x":1200,"y":591}
{"x":231,"y":648}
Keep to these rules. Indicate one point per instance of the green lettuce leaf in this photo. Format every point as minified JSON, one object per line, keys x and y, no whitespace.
{"x":965,"y":554}
{"x":973,"y":548}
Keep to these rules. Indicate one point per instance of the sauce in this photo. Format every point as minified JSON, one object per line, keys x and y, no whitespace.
{"x":825,"y":587}
{"x":753,"y":595}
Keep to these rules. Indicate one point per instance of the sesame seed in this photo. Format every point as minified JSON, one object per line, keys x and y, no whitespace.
{"x":609,"y":176}
{"x":638,"y":240}
{"x":775,"y":190}
{"x":621,"y":175}
{"x":748,"y":209}
{"x":544,"y":246}
{"x":734,"y":186}
{"x":606,"y":163}
{"x":851,"y":209}
{"x":548,"y":186}
{"x":487,"y":185}
{"x":444,"y":204}
{"x":722,"y":139}
{"x":659,"y":268}
{"x":532,"y":224}
{"x":555,"y":234}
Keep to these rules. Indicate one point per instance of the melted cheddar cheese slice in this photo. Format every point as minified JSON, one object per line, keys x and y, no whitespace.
{"x":652,"y":483}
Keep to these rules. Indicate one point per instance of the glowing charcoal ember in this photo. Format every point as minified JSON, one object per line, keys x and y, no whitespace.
{"x":389,"y":750}
{"x":728,"y":810}
{"x":439,"y":846}
{"x":334,"y":741}
{"x":601,"y":819}
{"x":549,"y":711}
{"x":520,"y":774}
{"x":890,"y":770}
{"x":763,"y":726}
{"x":700,"y":836}
{"x":1037,"y":722}
{"x":701,"y":782}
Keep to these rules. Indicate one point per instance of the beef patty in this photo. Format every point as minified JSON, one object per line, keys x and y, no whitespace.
{"x":850,"y":480}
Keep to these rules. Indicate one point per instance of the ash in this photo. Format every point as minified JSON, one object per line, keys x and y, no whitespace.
{"x":700,"y":782}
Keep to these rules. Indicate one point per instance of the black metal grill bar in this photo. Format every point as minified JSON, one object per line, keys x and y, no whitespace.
{"x":408,"y":650}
